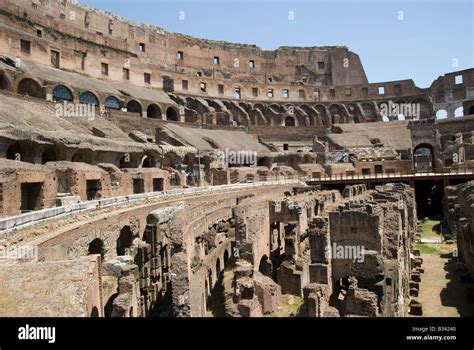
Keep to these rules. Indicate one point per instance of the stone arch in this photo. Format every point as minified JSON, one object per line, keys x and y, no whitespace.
{"x":441,"y":114}
{"x":170,"y":159}
{"x":16,"y":152}
{"x":172,"y":114}
{"x":337,"y":114}
{"x":245,"y":106}
{"x":125,"y":240}
{"x":133,"y":106}
{"x":423,"y":157}
{"x":351,"y":108}
{"x":257,"y":117}
{"x":62,"y":93}
{"x":314,"y":115}
{"x":260,"y":106}
{"x":112,"y":102}
{"x":5,"y":82}
{"x":153,"y":111}
{"x":321,"y":109}
{"x":278,"y":108}
{"x":222,"y":118}
{"x":49,"y":155}
{"x":459,"y":112}
{"x":148,"y":161}
{"x":108,"y":307}
{"x":96,"y":246}
{"x":369,"y":112}
{"x":31,"y":87}
{"x":82,"y":156}
{"x":290,"y":121}
{"x":89,"y":98}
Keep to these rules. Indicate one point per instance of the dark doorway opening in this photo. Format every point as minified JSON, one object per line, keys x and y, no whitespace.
{"x":429,"y":196}
{"x":97,"y":247}
{"x":138,"y":186}
{"x":95,"y":312}
{"x":172,"y":115}
{"x":265,"y":266}
{"x":124,"y":241}
{"x":289,"y":121}
{"x":109,"y":306}
{"x":4,"y":84}
{"x":31,"y":196}
{"x":216,"y":300}
{"x":134,"y":107}
{"x":423,"y":157}
{"x":29,"y":87}
{"x":93,"y":189}
{"x":148,"y":162}
{"x":153,"y":111}
{"x":157,"y":185}
{"x":15,"y":152}
{"x":48,"y":155}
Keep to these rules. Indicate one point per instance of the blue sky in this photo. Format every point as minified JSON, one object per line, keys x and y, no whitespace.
{"x":431,"y":36}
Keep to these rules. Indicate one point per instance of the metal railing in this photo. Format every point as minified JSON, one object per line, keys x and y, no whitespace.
{"x":29,"y":218}
{"x":394,"y":175}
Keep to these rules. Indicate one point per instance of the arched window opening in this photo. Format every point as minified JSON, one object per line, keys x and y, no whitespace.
{"x":171,"y":114}
{"x":29,"y":87}
{"x":153,"y":111}
{"x":289,"y":121}
{"x":112,"y":102}
{"x":62,"y":93}
{"x":88,"y":98}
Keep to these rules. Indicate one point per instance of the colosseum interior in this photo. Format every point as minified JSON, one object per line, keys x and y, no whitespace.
{"x":145,"y":173}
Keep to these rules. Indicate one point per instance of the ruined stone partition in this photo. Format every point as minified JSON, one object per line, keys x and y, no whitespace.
{"x":459,"y":213}
{"x":368,"y":268}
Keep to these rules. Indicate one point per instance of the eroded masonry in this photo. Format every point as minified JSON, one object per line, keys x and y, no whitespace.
{"x":147,"y":173}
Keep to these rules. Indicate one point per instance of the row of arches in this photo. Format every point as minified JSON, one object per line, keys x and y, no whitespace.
{"x":257,"y":113}
{"x":29,"y":152}
{"x":458,"y":112}
{"x":63,"y":93}
{"x":31,"y":87}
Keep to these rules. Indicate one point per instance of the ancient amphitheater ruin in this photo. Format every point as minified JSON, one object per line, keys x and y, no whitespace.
{"x":146,"y":173}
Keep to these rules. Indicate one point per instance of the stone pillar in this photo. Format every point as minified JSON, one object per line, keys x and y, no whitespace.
{"x":291,"y":241}
{"x":319,"y":240}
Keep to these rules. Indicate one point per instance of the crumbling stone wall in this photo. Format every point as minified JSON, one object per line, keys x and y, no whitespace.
{"x":459,"y":213}
{"x":373,"y":280}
